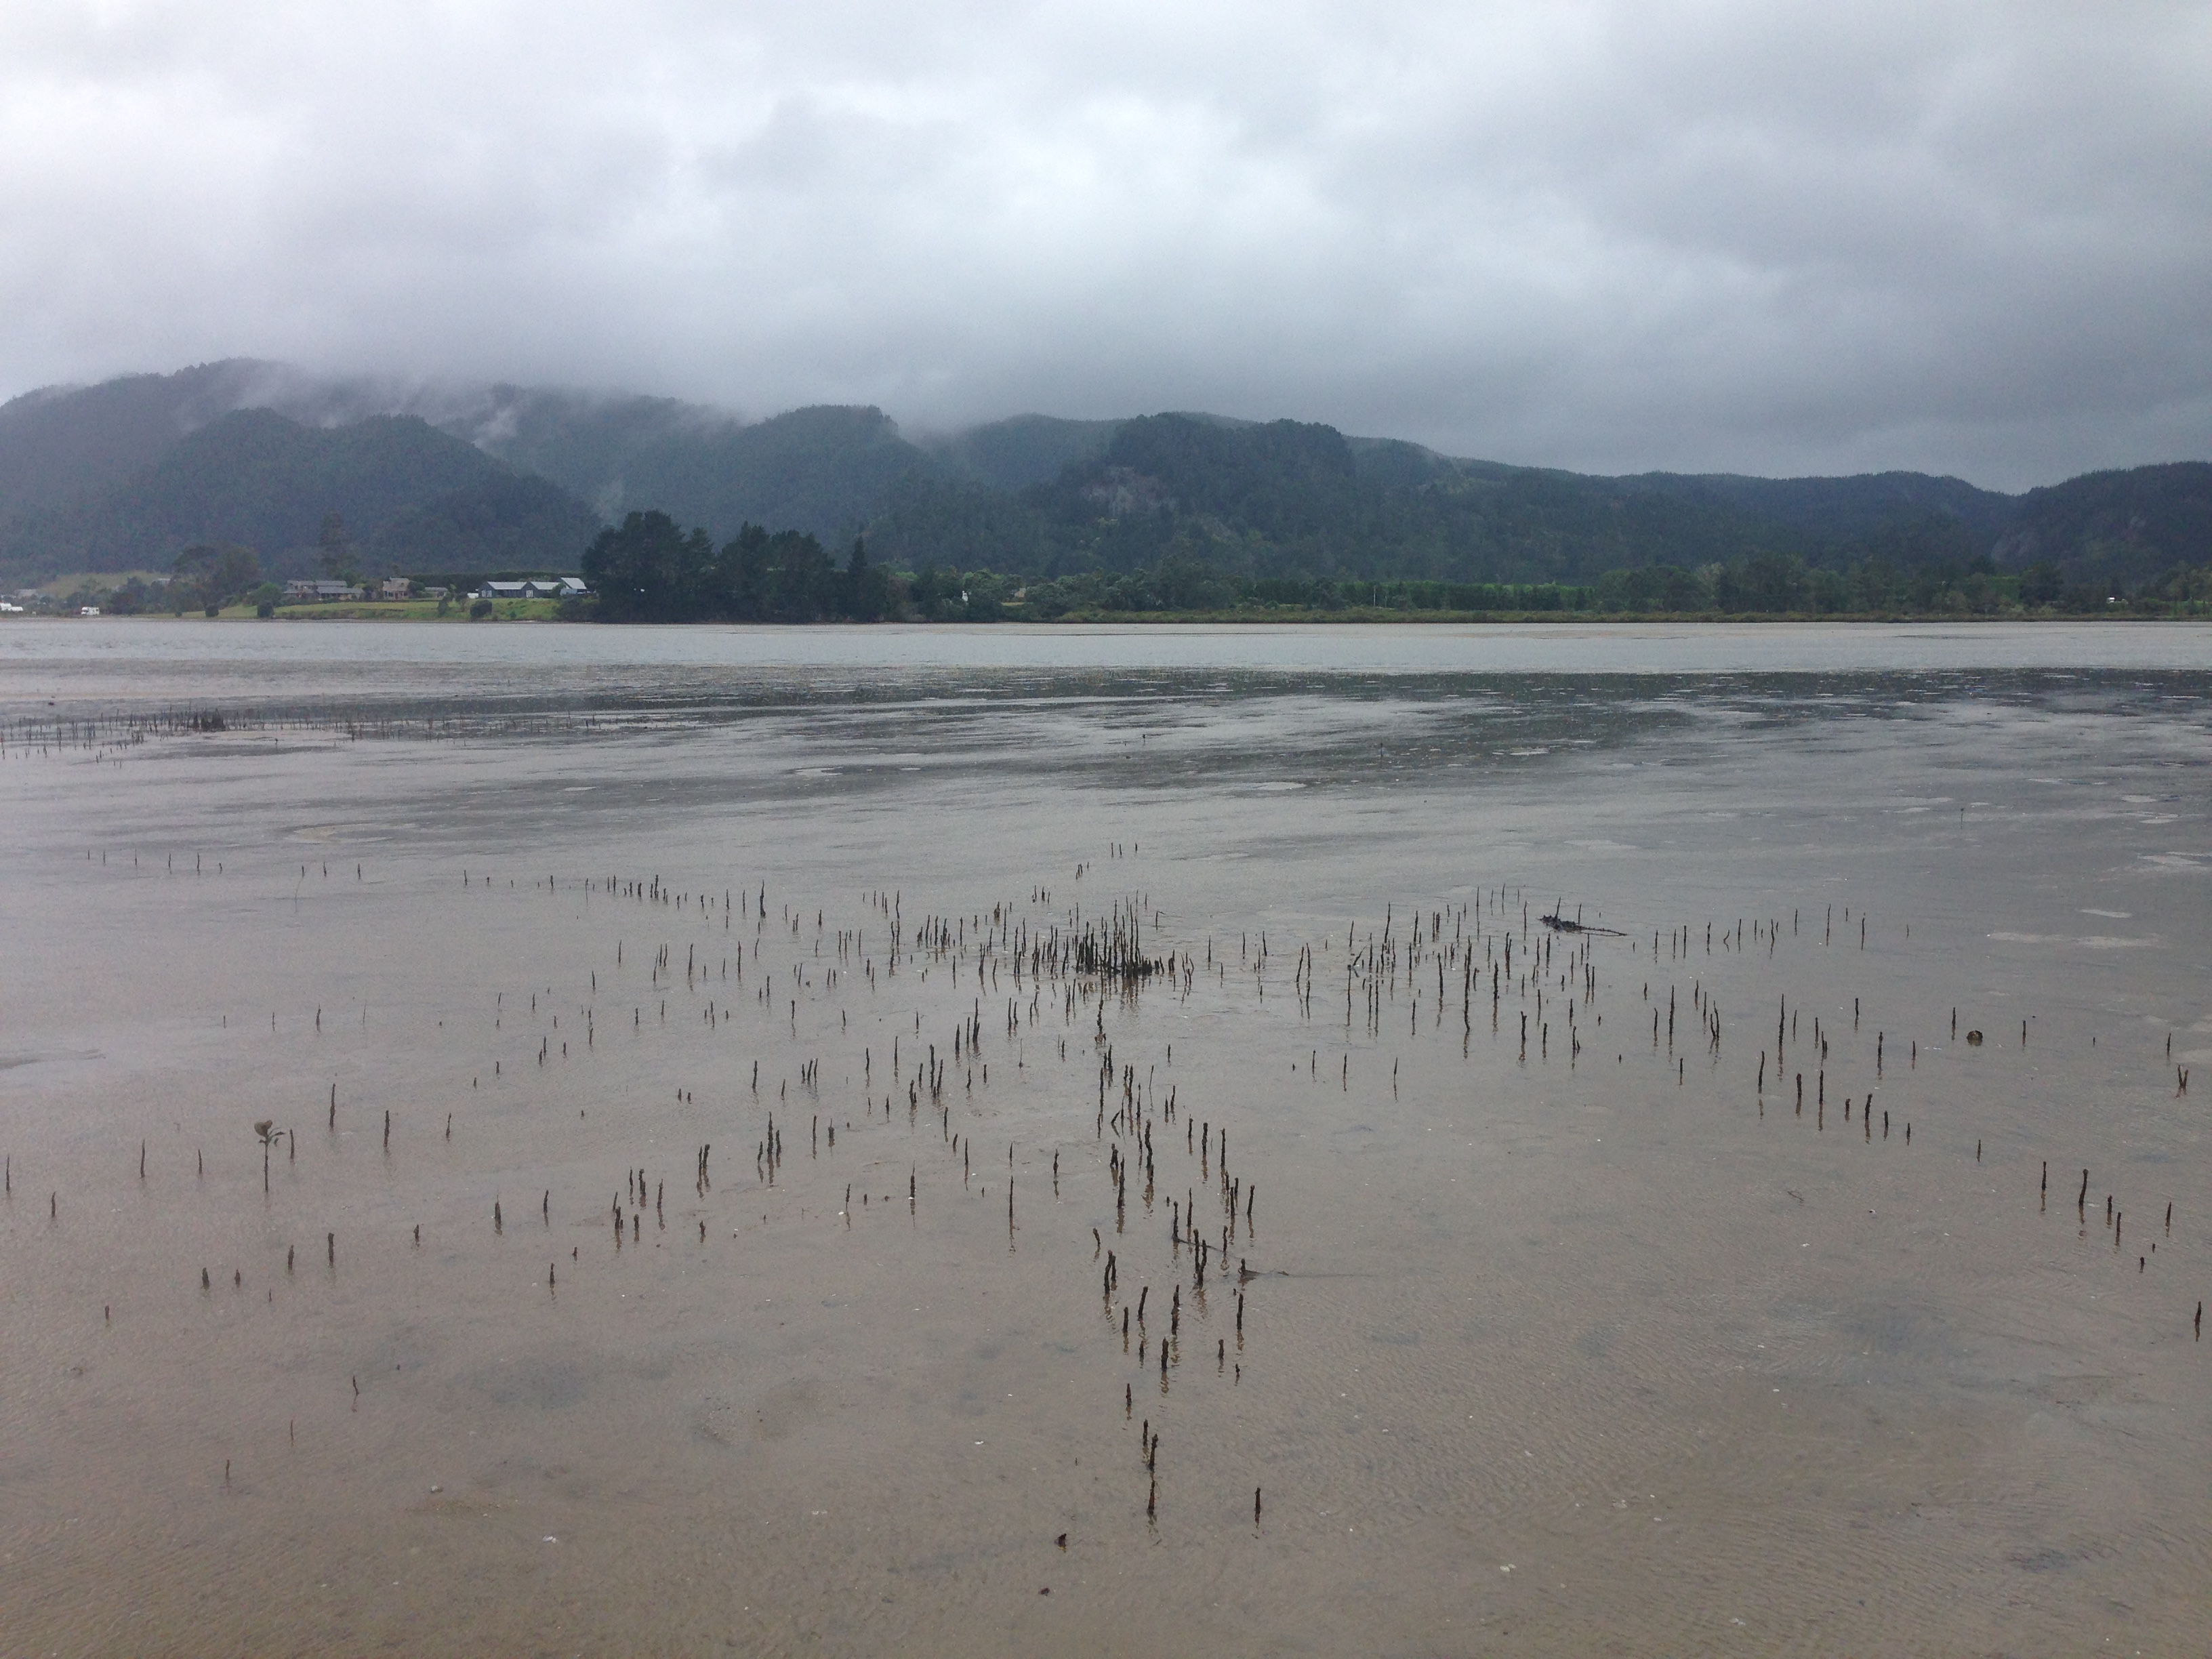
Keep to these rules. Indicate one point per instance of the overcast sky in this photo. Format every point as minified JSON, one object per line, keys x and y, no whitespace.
{"x":1763,"y":237}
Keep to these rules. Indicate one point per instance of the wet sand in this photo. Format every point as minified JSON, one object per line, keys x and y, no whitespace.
{"x":1604,"y":1348}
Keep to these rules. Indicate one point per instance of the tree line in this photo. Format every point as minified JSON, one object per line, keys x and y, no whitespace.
{"x":1761,"y":586}
{"x":648,"y":568}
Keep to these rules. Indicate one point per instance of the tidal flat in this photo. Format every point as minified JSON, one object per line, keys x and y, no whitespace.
{"x":703,"y":1140}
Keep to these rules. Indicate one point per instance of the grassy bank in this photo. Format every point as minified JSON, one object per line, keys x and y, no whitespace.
{"x":400,"y":610}
{"x":548,"y":611}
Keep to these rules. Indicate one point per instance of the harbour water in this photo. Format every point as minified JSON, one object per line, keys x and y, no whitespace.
{"x":1595,"y":1340}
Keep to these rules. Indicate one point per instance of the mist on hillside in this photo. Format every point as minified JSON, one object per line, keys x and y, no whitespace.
{"x":366,"y":476}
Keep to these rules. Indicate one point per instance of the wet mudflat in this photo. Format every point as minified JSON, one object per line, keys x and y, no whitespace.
{"x":757,"y":1159}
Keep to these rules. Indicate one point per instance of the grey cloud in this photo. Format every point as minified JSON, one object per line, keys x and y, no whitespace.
{"x":1754,"y":237}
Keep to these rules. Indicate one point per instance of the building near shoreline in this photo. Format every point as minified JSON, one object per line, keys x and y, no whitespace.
{"x":536,"y":587}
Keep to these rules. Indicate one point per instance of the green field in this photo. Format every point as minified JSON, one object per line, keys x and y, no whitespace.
{"x":456,"y":611}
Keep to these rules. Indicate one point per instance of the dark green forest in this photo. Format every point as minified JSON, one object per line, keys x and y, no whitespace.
{"x":1184,"y":515}
{"x":411,"y":494}
{"x":1291,"y":501}
{"x":648,"y":568}
{"x":693,"y":512}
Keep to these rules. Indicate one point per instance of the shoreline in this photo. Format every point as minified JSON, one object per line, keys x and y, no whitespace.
{"x":542,"y":612}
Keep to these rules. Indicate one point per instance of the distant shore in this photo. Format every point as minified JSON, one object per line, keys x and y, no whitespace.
{"x":548,"y":611}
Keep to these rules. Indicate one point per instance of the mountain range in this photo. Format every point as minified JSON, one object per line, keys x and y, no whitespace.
{"x":385,"y":476}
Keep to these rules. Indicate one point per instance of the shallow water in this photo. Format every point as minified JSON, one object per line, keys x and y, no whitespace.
{"x":123,"y":657}
{"x":1598,"y":1350}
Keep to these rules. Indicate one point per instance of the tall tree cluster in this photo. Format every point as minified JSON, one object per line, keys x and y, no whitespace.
{"x":649,"y":568}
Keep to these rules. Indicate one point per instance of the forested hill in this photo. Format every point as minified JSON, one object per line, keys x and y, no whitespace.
{"x":1289,"y":499}
{"x":126,"y":474}
{"x":2125,"y":527}
{"x":65,"y":445}
{"x":444,"y":477}
{"x":384,"y":494}
{"x":1845,"y":507}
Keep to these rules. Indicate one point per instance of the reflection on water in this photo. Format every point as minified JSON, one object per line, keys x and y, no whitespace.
{"x":1602,"y":1343}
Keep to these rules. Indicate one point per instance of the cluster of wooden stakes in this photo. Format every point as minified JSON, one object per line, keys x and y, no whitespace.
{"x":1045,"y":965}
